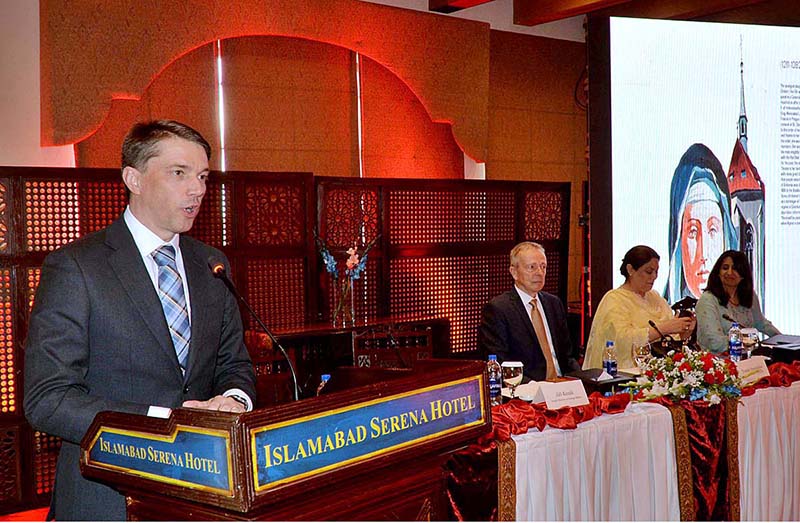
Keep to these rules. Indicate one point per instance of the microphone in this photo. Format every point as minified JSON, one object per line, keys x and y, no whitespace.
{"x":663,"y":336}
{"x":732,"y":320}
{"x":218,"y":270}
{"x":396,"y":346}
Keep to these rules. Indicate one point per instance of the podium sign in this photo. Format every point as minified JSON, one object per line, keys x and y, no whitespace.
{"x":190,"y":457}
{"x":379,"y":443}
{"x":297,"y":448}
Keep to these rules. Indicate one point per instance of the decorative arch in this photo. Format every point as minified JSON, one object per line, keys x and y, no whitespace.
{"x":93,"y":53}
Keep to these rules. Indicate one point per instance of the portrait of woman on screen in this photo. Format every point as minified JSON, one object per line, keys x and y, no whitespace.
{"x":700,"y":226}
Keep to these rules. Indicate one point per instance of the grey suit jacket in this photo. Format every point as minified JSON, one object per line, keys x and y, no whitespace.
{"x":98,"y":340}
{"x":506,"y":330}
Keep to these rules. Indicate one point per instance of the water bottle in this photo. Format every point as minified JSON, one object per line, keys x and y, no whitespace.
{"x":323,"y":381}
{"x":735,"y":342}
{"x":610,"y":359}
{"x":495,"y":380}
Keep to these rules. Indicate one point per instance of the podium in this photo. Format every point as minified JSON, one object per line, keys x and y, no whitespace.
{"x":370,"y":447}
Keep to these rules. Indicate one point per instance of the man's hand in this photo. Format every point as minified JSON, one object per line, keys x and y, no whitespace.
{"x":221,"y":403}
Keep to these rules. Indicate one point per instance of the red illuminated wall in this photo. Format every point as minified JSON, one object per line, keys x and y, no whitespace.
{"x":290,"y":105}
{"x":185,"y":92}
{"x":94,"y":52}
{"x":537,"y":132}
{"x":509,"y":97}
{"x":400,"y":141}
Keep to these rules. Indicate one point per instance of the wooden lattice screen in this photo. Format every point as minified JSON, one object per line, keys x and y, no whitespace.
{"x":442,"y":251}
{"x":444,"y":245}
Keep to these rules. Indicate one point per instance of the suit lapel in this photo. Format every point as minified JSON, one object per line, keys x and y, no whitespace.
{"x":196,"y":280}
{"x":546,"y":308}
{"x":132,"y":274}
{"x":524,"y":317}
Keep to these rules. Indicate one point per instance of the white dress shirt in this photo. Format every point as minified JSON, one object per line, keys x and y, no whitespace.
{"x":146,"y":242}
{"x":526,"y":301}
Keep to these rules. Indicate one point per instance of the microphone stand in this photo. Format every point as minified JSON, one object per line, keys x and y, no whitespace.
{"x":218,"y":270}
{"x":664,"y":337}
{"x":396,"y":346}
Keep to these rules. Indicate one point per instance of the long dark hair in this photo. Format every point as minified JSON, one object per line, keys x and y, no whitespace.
{"x":744,"y":291}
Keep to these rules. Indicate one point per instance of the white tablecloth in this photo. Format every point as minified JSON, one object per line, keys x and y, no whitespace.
{"x":769,"y":454}
{"x":615,"y":467}
{"x":622,"y":466}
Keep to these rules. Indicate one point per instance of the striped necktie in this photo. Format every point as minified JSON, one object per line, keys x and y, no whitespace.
{"x":173,"y":301}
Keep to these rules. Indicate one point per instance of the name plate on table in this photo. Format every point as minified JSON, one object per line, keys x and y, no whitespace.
{"x":190,"y":457}
{"x":752,"y":369}
{"x":291,"y":450}
{"x":569,"y":393}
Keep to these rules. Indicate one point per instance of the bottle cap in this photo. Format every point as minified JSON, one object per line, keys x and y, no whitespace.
{"x":734,"y":324}
{"x":326,"y":377}
{"x":609,"y":343}
{"x":492,"y":357}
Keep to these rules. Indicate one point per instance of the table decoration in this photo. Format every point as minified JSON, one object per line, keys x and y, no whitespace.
{"x":344,"y":272}
{"x":687,"y":374}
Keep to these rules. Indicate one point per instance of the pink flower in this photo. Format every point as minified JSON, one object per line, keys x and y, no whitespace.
{"x":352,"y":261}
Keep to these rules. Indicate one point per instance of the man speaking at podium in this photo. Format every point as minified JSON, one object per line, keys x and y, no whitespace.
{"x":131,"y":319}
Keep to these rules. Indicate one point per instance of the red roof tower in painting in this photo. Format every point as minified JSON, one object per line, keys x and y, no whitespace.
{"x":747,"y":198}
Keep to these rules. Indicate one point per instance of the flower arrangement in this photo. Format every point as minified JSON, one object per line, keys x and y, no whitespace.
{"x":688,"y":374}
{"x":344,"y":273}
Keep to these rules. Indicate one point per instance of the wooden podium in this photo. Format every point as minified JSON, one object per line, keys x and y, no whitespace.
{"x":371,"y":447}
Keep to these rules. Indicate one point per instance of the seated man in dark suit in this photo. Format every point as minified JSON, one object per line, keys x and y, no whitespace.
{"x":131,"y":319}
{"x":526,"y":324}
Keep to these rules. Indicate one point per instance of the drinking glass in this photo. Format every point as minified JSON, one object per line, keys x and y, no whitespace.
{"x":512,"y":375}
{"x":641,"y":356}
{"x":749,"y":341}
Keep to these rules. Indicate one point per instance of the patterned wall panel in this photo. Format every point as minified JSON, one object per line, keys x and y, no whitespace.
{"x":454,"y":287}
{"x":102,"y":202}
{"x":214,"y":224}
{"x":4,"y":216}
{"x":274,"y":214}
{"x":52,"y":216}
{"x":544,"y":215}
{"x":31,"y":283}
{"x":276,"y":291}
{"x":350,"y":215}
{"x":45,"y":456}
{"x":450,"y":216}
{"x":8,"y":364}
{"x":556,"y":265}
{"x":10,"y":482}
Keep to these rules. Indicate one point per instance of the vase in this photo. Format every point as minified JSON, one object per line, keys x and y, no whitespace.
{"x":344,"y":312}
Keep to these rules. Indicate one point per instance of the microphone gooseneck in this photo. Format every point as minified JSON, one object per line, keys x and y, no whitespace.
{"x":667,"y":337}
{"x":218,"y":270}
{"x":396,"y":346}
{"x":731,"y":319}
{"x":663,"y":336}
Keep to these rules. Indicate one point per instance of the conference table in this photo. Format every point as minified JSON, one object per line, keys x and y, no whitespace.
{"x":624,"y":466}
